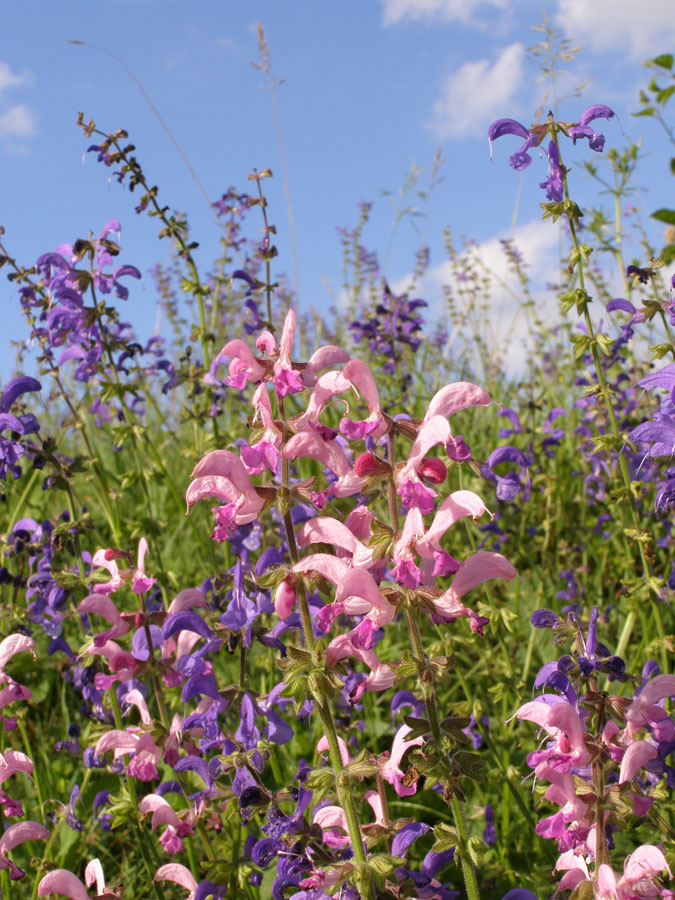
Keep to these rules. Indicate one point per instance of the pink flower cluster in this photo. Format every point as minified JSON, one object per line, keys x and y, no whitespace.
{"x":367,"y":586}
{"x":597,"y":763}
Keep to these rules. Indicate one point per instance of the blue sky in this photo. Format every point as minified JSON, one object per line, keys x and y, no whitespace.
{"x":369,"y":87}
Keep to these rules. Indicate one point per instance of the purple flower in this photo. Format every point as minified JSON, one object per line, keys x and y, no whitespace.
{"x":554,"y":183}
{"x":521,"y":159}
{"x":489,"y":832}
{"x":12,"y":450}
{"x":595,"y":141}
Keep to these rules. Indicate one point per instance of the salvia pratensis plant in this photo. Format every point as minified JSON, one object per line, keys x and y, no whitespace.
{"x":318,"y":682}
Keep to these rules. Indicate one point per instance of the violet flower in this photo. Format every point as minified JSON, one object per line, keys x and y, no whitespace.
{"x":554,"y":184}
{"x":521,"y":159}
{"x":595,"y":141}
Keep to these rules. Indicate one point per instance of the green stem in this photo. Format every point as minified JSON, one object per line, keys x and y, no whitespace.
{"x":431,"y":705}
{"x":623,"y":467}
{"x":364,"y":883}
{"x":144,"y":844}
{"x":343,"y":787}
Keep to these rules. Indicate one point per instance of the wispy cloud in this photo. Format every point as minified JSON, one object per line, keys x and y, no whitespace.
{"x":18,"y":121}
{"x":506,"y":329}
{"x":644,"y":29}
{"x":434,"y":10}
{"x":476,"y":93}
{"x":12,"y":79}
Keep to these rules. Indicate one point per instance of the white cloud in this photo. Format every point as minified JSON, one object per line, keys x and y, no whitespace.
{"x":19,"y":121}
{"x":645,"y":29}
{"x":506,"y":328}
{"x":476,"y":93}
{"x":433,"y":10}
{"x":11,"y":79}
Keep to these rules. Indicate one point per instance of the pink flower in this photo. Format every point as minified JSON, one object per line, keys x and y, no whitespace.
{"x":644,"y":710}
{"x":140,"y":582}
{"x":13,"y":836}
{"x":146,"y":754}
{"x":435,"y":430}
{"x":265,"y":453}
{"x":287,"y":380}
{"x":381,"y":676}
{"x":222,"y":474}
{"x":564,"y":724}
{"x":333,"y":821}
{"x":475,"y":570}
{"x":163,"y":814}
{"x":391,"y":769}
{"x":179,"y":875}
{"x":325,"y":530}
{"x":357,"y":591}
{"x":106,"y":559}
{"x":243,"y":367}
{"x":310,"y":444}
{"x":637,"y":881}
{"x":103,"y":606}
{"x":362,"y":380}
{"x":61,"y":881}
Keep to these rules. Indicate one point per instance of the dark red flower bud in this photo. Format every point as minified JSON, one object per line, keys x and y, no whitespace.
{"x":369,"y":464}
{"x":434,"y":470}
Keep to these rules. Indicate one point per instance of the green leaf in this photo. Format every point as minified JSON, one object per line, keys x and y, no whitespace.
{"x":381,"y":865}
{"x":321,"y":782}
{"x":658,"y":351}
{"x":665,"y":215}
{"x":446,"y":838}
{"x":605,"y":343}
{"x":665,"y":60}
{"x":362,"y":766}
{"x":418,"y":727}
{"x":665,"y":95}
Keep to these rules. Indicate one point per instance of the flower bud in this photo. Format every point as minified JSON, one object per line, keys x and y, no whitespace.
{"x":284,"y":599}
{"x":369,"y":464}
{"x":433,"y":470}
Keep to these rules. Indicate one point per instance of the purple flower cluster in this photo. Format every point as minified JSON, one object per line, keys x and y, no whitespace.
{"x":12,"y":448}
{"x":394,"y":327}
{"x":532,"y":137}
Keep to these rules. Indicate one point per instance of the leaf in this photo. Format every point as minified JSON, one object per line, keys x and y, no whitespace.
{"x":665,"y":215}
{"x":418,"y":727}
{"x":665,"y":60}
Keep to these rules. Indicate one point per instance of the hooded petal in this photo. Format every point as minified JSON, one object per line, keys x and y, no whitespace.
{"x":179,"y":875}
{"x":634,"y":758}
{"x":61,"y":881}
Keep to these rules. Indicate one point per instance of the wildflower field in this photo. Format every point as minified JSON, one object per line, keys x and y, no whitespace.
{"x":306,"y":606}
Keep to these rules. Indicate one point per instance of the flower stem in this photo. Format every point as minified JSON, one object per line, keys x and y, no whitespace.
{"x":623,"y":466}
{"x":363,"y":880}
{"x":429,"y":691}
